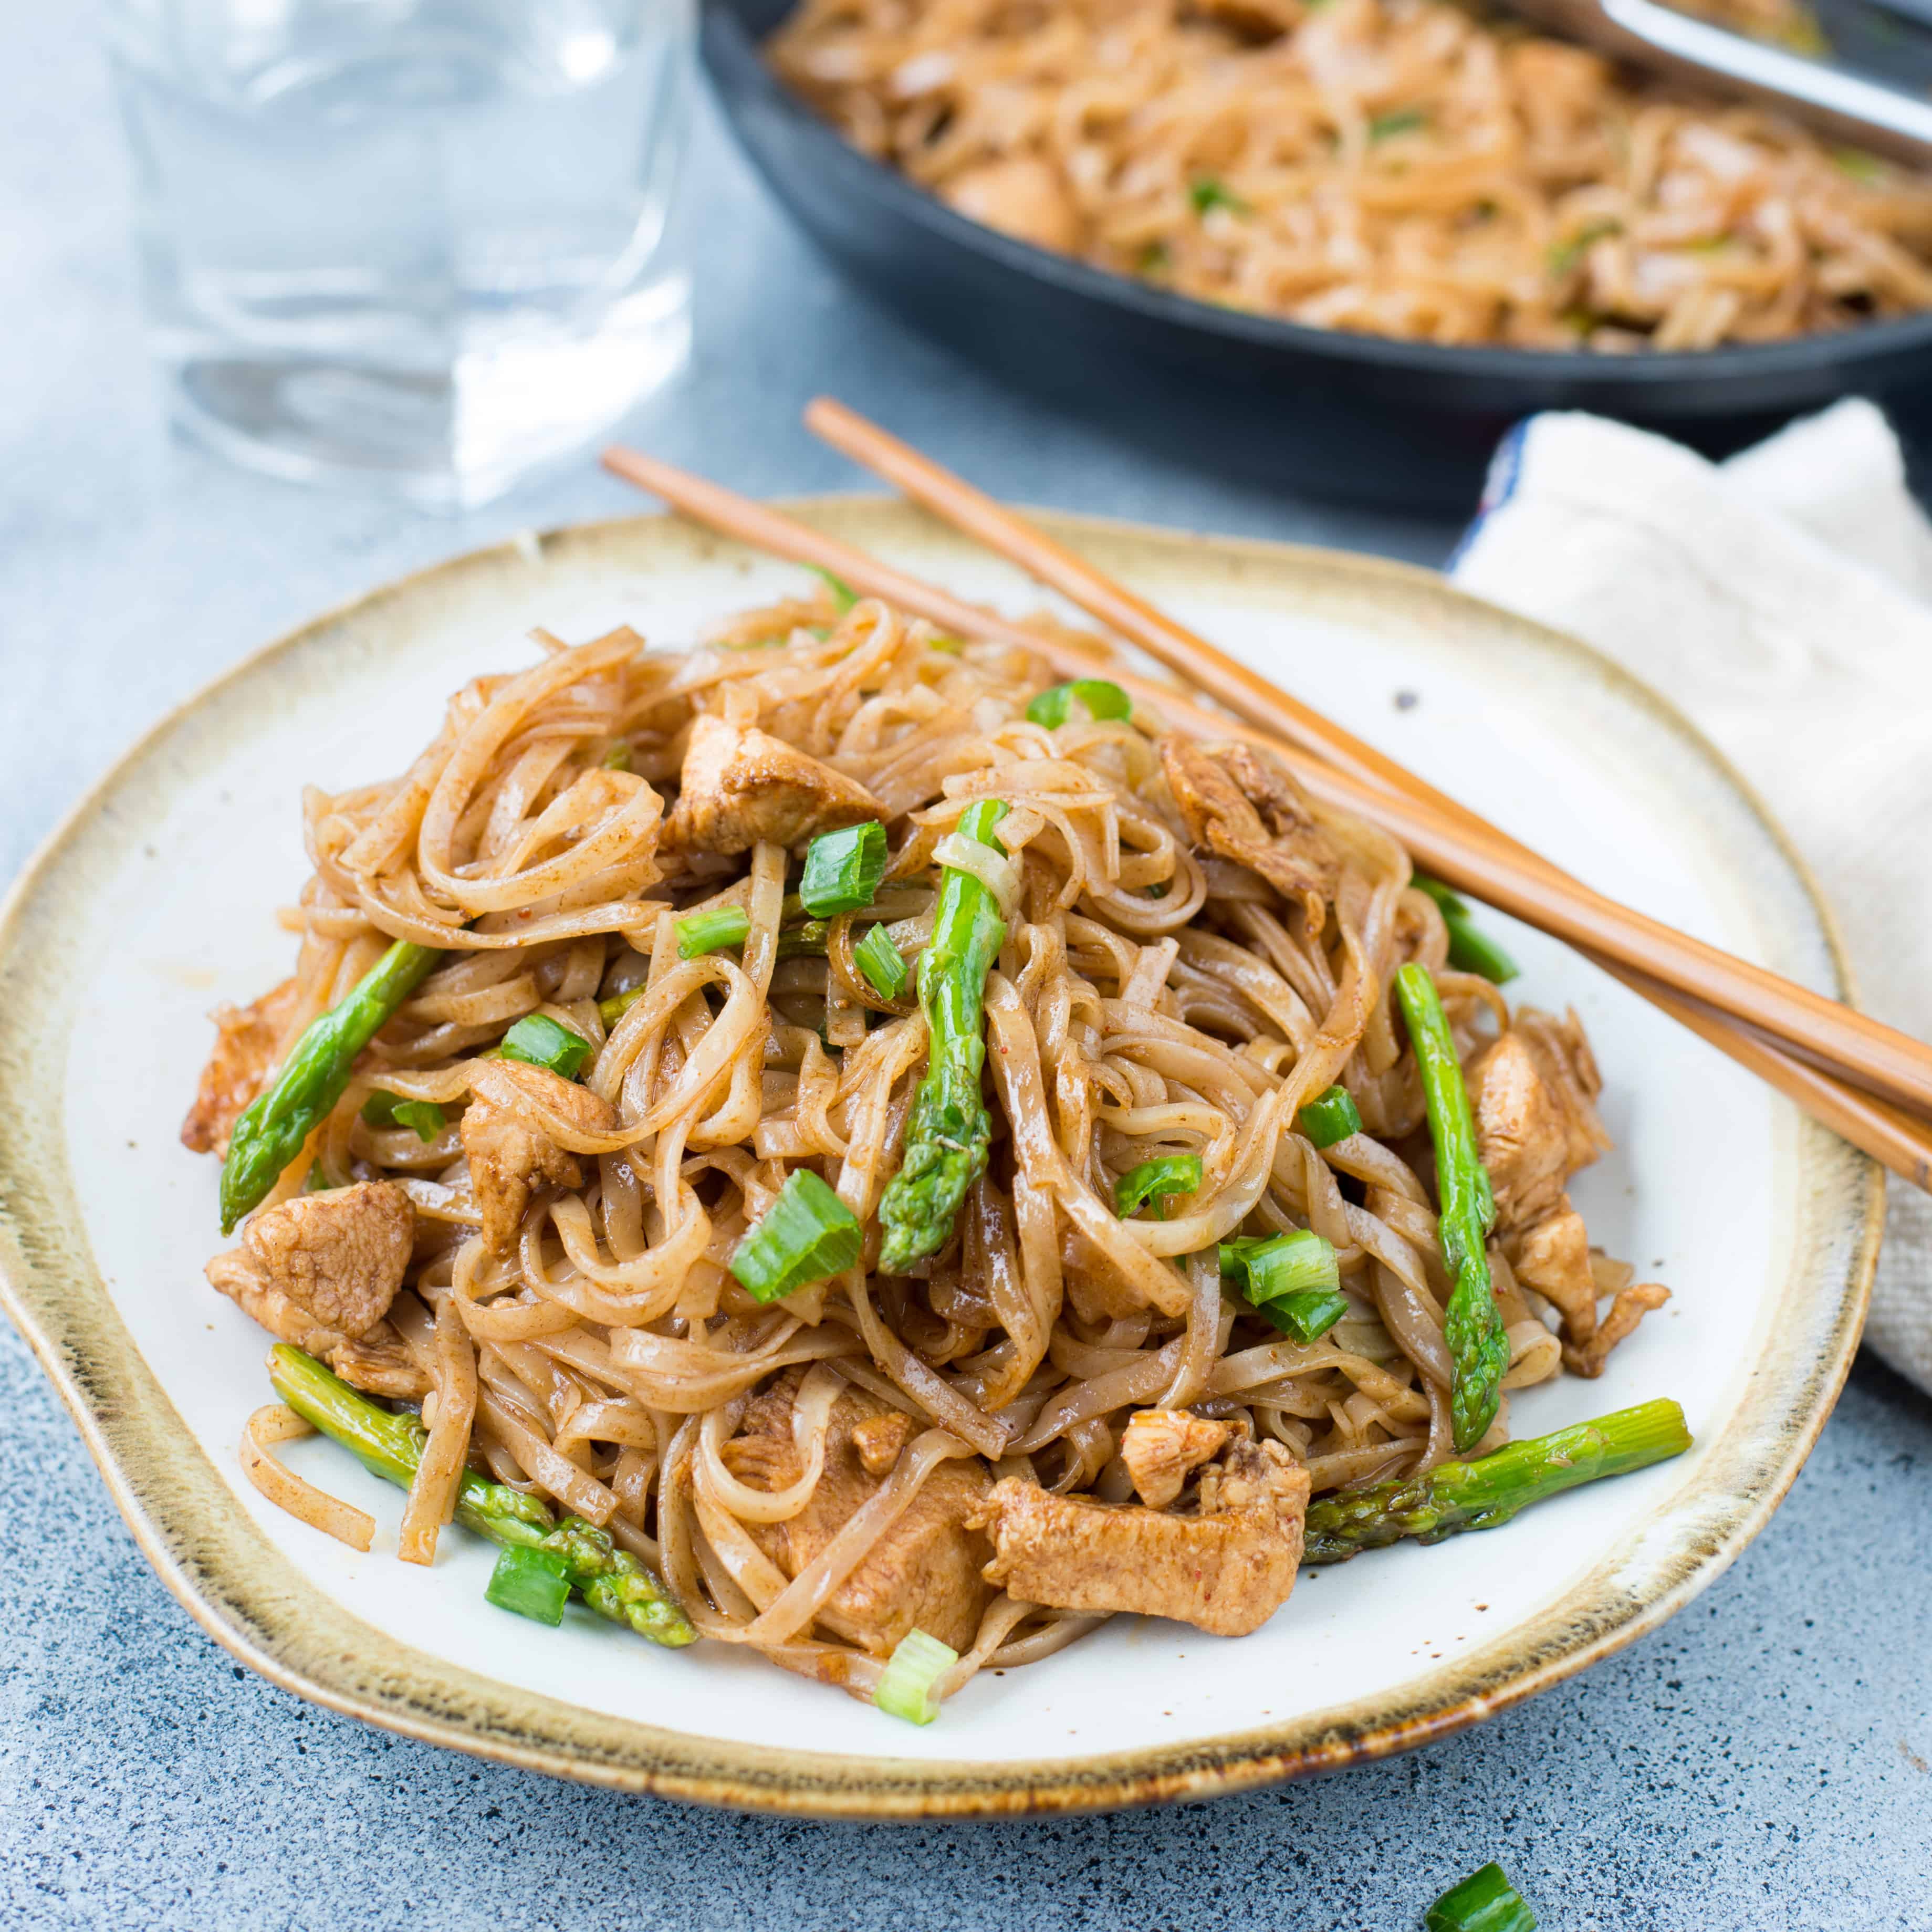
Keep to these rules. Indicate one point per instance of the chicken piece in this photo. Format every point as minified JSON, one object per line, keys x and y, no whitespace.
{"x":1553,"y":1258}
{"x":512,"y":1154}
{"x":245,"y":1040}
{"x":879,"y":1438}
{"x":1226,"y":1570}
{"x":1238,"y":802}
{"x":1021,"y":196}
{"x":923,"y":1572}
{"x":1533,"y":1092}
{"x":1163,"y":1447}
{"x":740,"y":787}
{"x":1631,"y":1305}
{"x":320,"y":1271}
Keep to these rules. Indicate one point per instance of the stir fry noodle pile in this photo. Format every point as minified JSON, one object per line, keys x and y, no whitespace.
{"x":830,"y":1141}
{"x":1400,"y":167}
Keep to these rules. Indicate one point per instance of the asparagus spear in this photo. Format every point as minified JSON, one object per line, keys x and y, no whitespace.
{"x":1456,"y":1496}
{"x":947,"y":1140}
{"x":1478,"y":1349}
{"x":390,"y":1443}
{"x":271,"y":1133}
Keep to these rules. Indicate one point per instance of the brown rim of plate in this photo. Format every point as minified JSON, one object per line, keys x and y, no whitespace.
{"x":248,"y":1596}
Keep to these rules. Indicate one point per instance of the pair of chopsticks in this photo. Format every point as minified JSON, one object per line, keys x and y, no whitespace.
{"x":1851,"y":1073}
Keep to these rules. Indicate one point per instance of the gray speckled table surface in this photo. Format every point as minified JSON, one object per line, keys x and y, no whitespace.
{"x":1761,"y":1763}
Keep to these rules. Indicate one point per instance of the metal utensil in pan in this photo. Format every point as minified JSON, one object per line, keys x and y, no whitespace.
{"x":1843,"y":105}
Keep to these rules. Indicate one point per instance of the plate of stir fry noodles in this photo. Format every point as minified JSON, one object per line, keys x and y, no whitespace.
{"x":879,"y":1231}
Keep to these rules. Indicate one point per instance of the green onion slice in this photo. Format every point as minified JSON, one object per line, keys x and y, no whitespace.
{"x":533,"y":1582}
{"x":806,"y":1234}
{"x":905,"y":1687}
{"x":881,"y":962}
{"x":843,"y":869}
{"x":618,"y":757}
{"x":1103,"y":700}
{"x":385,"y":1109}
{"x":611,"y":1010}
{"x":843,"y":594}
{"x":1398,"y":120}
{"x":544,"y":1042}
{"x":1485,"y":1901}
{"x":702,"y":932}
{"x":1293,"y":1279}
{"x":1156,"y":1180}
{"x":1470,"y":950}
{"x":1205,"y":192}
{"x":1329,"y":1117}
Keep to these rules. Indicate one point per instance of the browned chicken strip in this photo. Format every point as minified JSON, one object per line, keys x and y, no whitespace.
{"x":1225,"y":1570}
{"x":245,"y":1040}
{"x":511,"y":1156}
{"x":321,"y":1271}
{"x":923,"y":1572}
{"x":1239,"y":803}
{"x":740,"y":787}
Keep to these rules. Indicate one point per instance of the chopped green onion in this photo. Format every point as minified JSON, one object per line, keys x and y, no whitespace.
{"x":802,"y":942}
{"x":951,"y":647}
{"x":544,"y":1042}
{"x":905,"y":1687}
{"x":843,"y":594}
{"x":881,"y":962}
{"x":806,"y":1234}
{"x":1156,"y":1180}
{"x":611,"y":1010}
{"x":843,"y":869}
{"x":1293,"y":1280}
{"x":535,"y":1583}
{"x":618,"y":757}
{"x":1329,"y":1117}
{"x":1153,"y":259}
{"x":1400,"y":121}
{"x":1103,"y":699}
{"x":1206,"y":193}
{"x":1563,"y":256}
{"x":1485,"y":1901}
{"x":1859,"y":165}
{"x":712,"y":932}
{"x":1470,"y":950}
{"x":1306,"y":1315}
{"x":385,"y":1109}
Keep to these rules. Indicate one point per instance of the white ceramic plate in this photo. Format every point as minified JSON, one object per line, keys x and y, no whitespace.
{"x":157,"y":900}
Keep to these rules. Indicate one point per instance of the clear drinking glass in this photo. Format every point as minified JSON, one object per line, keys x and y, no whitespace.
{"x":418,"y":243}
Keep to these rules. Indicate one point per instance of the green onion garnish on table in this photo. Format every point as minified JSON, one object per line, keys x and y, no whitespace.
{"x":1101,"y":699}
{"x":385,"y":1109}
{"x":1478,"y":1349}
{"x":533,"y":1582}
{"x":807,"y":1233}
{"x":701,"y":932}
{"x":1291,"y":1279}
{"x":905,"y":1689}
{"x":1470,"y":950}
{"x":1329,"y":1117}
{"x":540,"y":1041}
{"x":843,"y":869}
{"x":881,"y":962}
{"x":1159,"y":1181}
{"x":1485,"y":1901}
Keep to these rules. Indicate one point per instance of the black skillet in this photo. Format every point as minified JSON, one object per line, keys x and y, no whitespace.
{"x":1322,"y":412}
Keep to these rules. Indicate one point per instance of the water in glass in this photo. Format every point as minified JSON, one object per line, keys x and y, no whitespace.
{"x":417,"y":242}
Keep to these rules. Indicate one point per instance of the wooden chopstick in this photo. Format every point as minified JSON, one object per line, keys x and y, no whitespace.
{"x":1876,"y":1129}
{"x":1864,"y":1050}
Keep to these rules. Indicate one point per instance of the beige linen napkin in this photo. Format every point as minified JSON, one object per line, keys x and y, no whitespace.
{"x":1783,"y":600}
